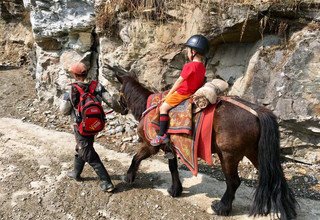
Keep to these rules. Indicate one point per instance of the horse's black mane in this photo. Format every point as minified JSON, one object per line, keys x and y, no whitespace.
{"x":136,"y":95}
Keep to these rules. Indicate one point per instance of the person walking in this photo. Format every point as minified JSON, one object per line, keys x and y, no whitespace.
{"x":85,"y":151}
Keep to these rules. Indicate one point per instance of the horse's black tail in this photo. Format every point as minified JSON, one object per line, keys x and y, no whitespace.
{"x":273,"y":192}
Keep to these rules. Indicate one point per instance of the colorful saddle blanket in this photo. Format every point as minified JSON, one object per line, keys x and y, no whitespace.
{"x":180,"y":116}
{"x":190,"y":134}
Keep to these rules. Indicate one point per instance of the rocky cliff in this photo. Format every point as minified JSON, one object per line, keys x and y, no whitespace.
{"x":16,"y":37}
{"x":267,"y":50}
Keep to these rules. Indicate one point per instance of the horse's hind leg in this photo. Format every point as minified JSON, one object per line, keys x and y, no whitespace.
{"x":176,"y":188}
{"x":229,"y":165}
{"x":144,"y":152}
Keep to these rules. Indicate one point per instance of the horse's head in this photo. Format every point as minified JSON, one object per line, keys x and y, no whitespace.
{"x":121,"y":96}
{"x":132,"y":95}
{"x":119,"y":104}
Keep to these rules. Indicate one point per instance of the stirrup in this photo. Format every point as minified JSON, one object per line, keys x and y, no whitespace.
{"x":158,"y":140}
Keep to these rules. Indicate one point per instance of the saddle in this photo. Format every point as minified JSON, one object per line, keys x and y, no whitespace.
{"x":190,"y":134}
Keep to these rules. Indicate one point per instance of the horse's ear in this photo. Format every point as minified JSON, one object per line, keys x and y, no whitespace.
{"x":118,"y":71}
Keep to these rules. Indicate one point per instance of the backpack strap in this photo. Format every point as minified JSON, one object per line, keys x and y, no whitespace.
{"x":72,"y":94}
{"x":76,"y":108}
{"x":93,"y":86}
{"x":80,"y":90}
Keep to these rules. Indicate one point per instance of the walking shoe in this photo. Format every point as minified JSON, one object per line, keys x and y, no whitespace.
{"x":74,"y":175}
{"x":158,"y":140}
{"x":107,"y":186}
{"x":77,"y":170}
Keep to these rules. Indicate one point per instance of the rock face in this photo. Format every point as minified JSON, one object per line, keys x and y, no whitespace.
{"x":287,"y":80}
{"x":16,"y":38}
{"x":268,"y":52}
{"x":63,"y":35}
{"x":11,"y":9}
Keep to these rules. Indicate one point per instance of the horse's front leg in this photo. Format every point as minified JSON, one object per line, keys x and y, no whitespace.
{"x":144,"y":152}
{"x":176,"y":188}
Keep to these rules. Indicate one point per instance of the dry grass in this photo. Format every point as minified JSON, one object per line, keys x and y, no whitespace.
{"x":291,"y":2}
{"x":150,"y":10}
{"x":106,"y":15}
{"x":244,"y":26}
{"x":314,"y":26}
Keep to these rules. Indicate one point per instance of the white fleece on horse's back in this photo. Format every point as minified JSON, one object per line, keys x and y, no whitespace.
{"x":209,"y":93}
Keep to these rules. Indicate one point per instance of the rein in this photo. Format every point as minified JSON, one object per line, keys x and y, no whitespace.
{"x":225,"y":98}
{"x":148,"y":110}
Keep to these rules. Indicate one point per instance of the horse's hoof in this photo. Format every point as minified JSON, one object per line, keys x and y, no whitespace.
{"x":175,"y":192}
{"x":129,"y":178}
{"x":221,"y":209}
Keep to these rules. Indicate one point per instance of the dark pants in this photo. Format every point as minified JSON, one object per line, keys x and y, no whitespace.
{"x":84,"y":148}
{"x":86,"y":153}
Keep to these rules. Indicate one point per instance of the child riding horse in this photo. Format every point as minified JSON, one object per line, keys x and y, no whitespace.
{"x":190,"y":80}
{"x":236,"y":133}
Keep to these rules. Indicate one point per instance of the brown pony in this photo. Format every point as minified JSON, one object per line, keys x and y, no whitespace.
{"x":236,"y":133}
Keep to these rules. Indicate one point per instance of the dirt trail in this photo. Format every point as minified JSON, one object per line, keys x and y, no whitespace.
{"x":34,"y":161}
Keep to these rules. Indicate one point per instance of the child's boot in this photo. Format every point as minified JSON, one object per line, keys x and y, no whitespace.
{"x":106,"y":185}
{"x":77,"y":170}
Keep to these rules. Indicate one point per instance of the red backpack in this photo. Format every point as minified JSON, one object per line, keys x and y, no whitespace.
{"x":91,"y":117}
